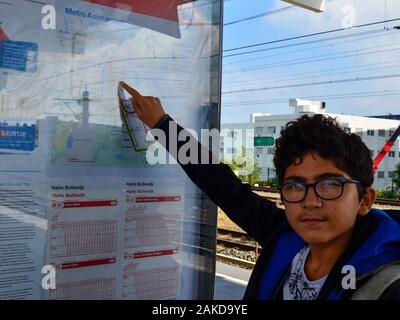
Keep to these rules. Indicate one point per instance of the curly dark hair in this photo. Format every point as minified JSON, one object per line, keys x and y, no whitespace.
{"x":323,"y":135}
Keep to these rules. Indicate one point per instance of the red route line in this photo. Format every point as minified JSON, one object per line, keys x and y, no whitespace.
{"x":89,"y":263}
{"x":140,"y":255}
{"x":85,"y":204}
{"x":158,"y":199}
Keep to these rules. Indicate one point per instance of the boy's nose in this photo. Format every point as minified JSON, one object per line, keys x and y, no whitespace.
{"x":312,"y":200}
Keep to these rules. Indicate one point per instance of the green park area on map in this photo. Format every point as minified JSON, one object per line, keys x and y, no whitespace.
{"x":93,"y":145}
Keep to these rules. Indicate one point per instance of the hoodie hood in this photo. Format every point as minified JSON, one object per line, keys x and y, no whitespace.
{"x":381,"y":248}
{"x":383,"y":245}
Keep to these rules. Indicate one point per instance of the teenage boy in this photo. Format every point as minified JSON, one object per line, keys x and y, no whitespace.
{"x":328,"y":244}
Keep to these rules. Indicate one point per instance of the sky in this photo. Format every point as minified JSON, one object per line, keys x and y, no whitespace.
{"x":355,"y":69}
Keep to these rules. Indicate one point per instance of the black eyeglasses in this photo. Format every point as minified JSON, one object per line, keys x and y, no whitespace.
{"x":327,"y":189}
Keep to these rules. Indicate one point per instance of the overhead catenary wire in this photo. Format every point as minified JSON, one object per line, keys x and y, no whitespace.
{"x":317,"y":74}
{"x":325,"y":97}
{"x":309,"y":35}
{"x":353,"y":35}
{"x":319,"y":58}
{"x":362,"y":72}
{"x":316,"y":83}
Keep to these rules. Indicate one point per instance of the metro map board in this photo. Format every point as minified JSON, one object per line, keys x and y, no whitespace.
{"x":264,"y":141}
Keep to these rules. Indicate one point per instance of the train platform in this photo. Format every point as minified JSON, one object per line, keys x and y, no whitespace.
{"x":230,"y":282}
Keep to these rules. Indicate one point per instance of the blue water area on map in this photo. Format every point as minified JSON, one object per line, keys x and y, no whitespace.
{"x":70,"y":141}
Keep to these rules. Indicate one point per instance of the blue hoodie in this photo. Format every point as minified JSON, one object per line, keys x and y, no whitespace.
{"x":382,"y":247}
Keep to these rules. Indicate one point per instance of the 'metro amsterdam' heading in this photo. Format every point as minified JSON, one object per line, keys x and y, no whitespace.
{"x":89,"y":15}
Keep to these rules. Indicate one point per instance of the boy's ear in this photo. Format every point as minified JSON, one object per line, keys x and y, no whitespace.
{"x":367,"y":201}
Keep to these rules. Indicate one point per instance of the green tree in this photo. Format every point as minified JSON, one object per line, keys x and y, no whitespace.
{"x":396,"y":177}
{"x":254,"y":176}
{"x":245,"y":167}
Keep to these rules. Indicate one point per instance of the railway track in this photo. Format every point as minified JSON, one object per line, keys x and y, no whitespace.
{"x":236,"y":244}
{"x":238,"y":240}
{"x":234,"y":233}
{"x":389,"y":202}
{"x":236,"y":261}
{"x":233,"y":238}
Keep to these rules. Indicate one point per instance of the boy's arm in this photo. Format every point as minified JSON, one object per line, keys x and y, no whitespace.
{"x":258,"y":216}
{"x":254,"y":214}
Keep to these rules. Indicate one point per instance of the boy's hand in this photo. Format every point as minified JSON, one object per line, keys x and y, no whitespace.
{"x":148,"y":109}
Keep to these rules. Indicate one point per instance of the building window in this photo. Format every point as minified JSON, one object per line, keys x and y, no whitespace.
{"x":381,"y":133}
{"x":390,"y":133}
{"x":268,"y":172}
{"x":391,"y":154}
{"x":271,"y":130}
{"x":381,"y":174}
{"x":391,"y":174}
{"x":370,"y":132}
{"x":359,"y":132}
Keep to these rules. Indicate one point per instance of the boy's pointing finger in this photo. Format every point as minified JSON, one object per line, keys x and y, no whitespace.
{"x":134,"y":93}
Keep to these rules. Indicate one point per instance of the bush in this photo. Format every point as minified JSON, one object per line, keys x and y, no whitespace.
{"x":387,"y":193}
{"x":273,"y":182}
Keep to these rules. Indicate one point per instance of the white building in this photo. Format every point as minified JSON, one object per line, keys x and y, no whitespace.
{"x":234,"y":137}
{"x":373,"y":131}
